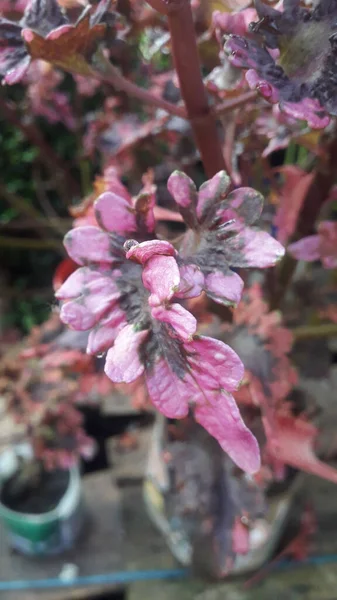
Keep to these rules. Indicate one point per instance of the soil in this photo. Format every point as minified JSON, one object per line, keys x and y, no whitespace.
{"x":35,"y":499}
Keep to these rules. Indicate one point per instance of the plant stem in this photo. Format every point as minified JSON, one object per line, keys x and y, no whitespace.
{"x":20,"y":204}
{"x":46,"y":153}
{"x":291,"y":153}
{"x":233,"y":103}
{"x":324,"y":330}
{"x":105,"y":71}
{"x":302,"y":157}
{"x":316,"y":196}
{"x":19,"y":242}
{"x":23,"y":207}
{"x":187,"y":64}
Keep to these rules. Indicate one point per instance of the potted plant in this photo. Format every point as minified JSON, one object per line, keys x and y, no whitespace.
{"x":40,"y":495}
{"x":216,"y":194}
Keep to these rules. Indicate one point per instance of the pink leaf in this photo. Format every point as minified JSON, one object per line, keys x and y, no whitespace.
{"x":255,"y":248}
{"x":168,"y":392}
{"x":123,"y":363}
{"x":308,"y":248}
{"x":244,"y":204}
{"x":291,"y":442}
{"x":236,"y":22}
{"x":77,"y":316}
{"x":142,"y":252}
{"x":223,"y":421}
{"x":114,"y":213}
{"x":225,"y":289}
{"x":182,"y":189}
{"x":113,"y":184}
{"x":211,"y":192}
{"x":161,"y":276}
{"x":144,"y":204}
{"x":182,"y":321}
{"x":103,"y":336}
{"x":308,"y":109}
{"x":214,"y":364}
{"x":89,"y":244}
{"x":74,"y":285}
{"x":83,"y":313}
{"x":191,"y":282}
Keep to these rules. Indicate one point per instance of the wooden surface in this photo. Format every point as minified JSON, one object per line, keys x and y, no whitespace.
{"x":99,"y":549}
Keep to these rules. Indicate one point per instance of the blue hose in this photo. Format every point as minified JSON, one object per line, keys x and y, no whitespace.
{"x":122,"y":577}
{"x":125,"y":577}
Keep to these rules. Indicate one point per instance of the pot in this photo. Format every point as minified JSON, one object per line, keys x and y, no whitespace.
{"x":50,"y":532}
{"x":215,"y":495}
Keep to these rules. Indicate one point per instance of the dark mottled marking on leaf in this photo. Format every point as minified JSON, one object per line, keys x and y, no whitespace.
{"x":133,"y":295}
{"x":143,"y":205}
{"x":161,"y":343}
{"x":308,"y":54}
{"x":10,"y":33}
{"x":43,"y":16}
{"x":116,"y":245}
{"x":12,"y":58}
{"x":103,"y":15}
{"x":211,"y":204}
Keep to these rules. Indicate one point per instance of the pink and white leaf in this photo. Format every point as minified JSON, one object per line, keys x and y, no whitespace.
{"x":308,"y":248}
{"x":114,"y":213}
{"x":161,"y":277}
{"x":255,"y":248}
{"x":77,"y":316}
{"x":113,"y":184}
{"x":211,"y":192}
{"x":169,"y":394}
{"x":182,"y":321}
{"x":85,"y":312}
{"x":182,"y":189}
{"x":76,"y":282}
{"x":142,"y":252}
{"x":102,"y":337}
{"x":214,"y":365}
{"x":243,"y":204}
{"x":123,"y":363}
{"x":89,"y":244}
{"x":191,"y":283}
{"x":292,"y":442}
{"x":225,"y":289}
{"x":235,"y":22}
{"x":223,"y":421}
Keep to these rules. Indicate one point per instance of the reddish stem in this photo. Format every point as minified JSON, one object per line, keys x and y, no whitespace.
{"x":108,"y":73}
{"x":232,"y":103}
{"x":187,"y":64}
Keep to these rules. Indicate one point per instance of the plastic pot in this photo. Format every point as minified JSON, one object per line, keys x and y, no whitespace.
{"x":182,"y":529}
{"x":50,"y":532}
